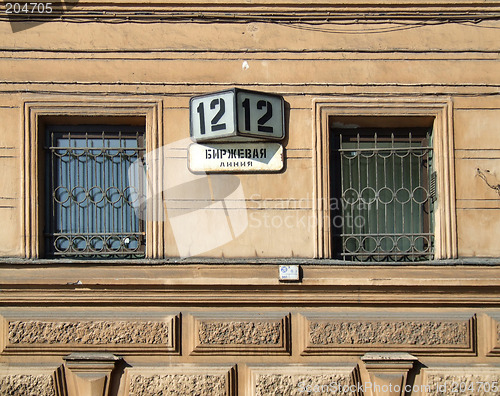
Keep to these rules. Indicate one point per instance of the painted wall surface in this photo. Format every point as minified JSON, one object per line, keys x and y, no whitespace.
{"x":170,"y":62}
{"x":221,"y":322}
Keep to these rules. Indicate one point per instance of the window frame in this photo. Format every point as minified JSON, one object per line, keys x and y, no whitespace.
{"x":347,"y":146}
{"x":442,"y":113}
{"x":84,"y":132}
{"x":38,"y":113}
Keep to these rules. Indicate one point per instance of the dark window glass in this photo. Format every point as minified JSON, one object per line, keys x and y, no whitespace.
{"x":383,"y":191}
{"x":90,"y":200}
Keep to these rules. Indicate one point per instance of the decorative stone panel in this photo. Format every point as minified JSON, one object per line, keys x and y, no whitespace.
{"x":152,"y":334}
{"x":295,"y":379}
{"x":27,"y":381}
{"x":492,"y":335}
{"x":337,"y":334}
{"x":470,"y":380}
{"x":180,"y":379}
{"x":237,"y":333}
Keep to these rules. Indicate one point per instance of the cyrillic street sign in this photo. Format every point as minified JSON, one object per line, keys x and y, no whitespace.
{"x":230,"y":115}
{"x":235,"y":157}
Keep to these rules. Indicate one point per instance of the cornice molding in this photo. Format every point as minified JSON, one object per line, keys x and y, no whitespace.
{"x":211,"y":263}
{"x":316,"y":12}
{"x":171,"y":285}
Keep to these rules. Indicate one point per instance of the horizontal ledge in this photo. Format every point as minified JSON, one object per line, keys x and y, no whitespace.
{"x":260,"y":299}
{"x":91,"y":357}
{"x":278,"y":56}
{"x":170,"y":261}
{"x":252,"y":84}
{"x":232,"y":279}
{"x":60,"y":53}
{"x":299,"y":3}
{"x":387,"y":356}
{"x":302,"y":12}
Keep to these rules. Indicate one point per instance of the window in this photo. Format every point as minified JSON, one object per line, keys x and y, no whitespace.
{"x":142,"y":116}
{"x":383,"y":190}
{"x":433,"y":235}
{"x":89,"y":199}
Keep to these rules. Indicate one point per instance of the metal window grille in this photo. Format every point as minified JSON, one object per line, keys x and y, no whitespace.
{"x":383,"y":194}
{"x":90,"y":201}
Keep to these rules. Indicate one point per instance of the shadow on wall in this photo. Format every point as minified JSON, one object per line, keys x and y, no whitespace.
{"x":23,"y":16}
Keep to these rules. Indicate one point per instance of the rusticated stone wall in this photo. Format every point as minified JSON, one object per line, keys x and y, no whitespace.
{"x":294,"y":385}
{"x":160,"y":385}
{"x":155,"y":333}
{"x":337,"y":334}
{"x":237,"y":334}
{"x":89,"y":332}
{"x":385,"y":332}
{"x":243,"y":333}
{"x":179,"y":379}
{"x":448,"y":381}
{"x":27,"y":385}
{"x":295,"y":379}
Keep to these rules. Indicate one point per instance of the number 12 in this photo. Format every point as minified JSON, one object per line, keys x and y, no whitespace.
{"x":261,"y":122}
{"x":215,"y":125}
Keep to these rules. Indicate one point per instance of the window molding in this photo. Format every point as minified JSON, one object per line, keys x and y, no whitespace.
{"x":34,"y":113}
{"x":445,"y":233}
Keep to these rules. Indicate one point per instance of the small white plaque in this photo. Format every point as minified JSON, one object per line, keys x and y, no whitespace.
{"x":289,"y":272}
{"x":235,"y":157}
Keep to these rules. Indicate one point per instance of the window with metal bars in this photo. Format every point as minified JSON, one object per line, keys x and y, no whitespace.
{"x":90,"y":210}
{"x":383,"y":191}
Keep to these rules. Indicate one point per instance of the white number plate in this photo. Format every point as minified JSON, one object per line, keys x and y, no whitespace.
{"x":260,"y":115}
{"x":237,"y":113}
{"x":213,"y":116}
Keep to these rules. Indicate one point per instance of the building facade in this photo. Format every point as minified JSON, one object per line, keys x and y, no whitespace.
{"x":136,"y":262}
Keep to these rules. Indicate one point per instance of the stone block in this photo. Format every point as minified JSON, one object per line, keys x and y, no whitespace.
{"x":27,"y":381}
{"x":181,"y":379}
{"x":241,"y":333}
{"x":466,"y":380}
{"x":297,"y":379}
{"x":152,"y":333}
{"x":349,"y":334}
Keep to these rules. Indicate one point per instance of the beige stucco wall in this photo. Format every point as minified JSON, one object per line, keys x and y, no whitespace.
{"x":196,"y":310}
{"x":171,"y":62}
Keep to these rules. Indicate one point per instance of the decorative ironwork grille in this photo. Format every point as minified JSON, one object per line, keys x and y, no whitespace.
{"x":383,"y":194}
{"x":90,"y":212}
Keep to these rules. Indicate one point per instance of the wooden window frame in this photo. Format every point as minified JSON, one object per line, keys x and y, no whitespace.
{"x":445,"y":234}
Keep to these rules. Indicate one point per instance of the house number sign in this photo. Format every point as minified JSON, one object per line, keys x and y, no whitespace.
{"x":236,"y":113}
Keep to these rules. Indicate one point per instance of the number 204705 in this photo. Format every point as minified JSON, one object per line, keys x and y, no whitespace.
{"x":28,"y":8}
